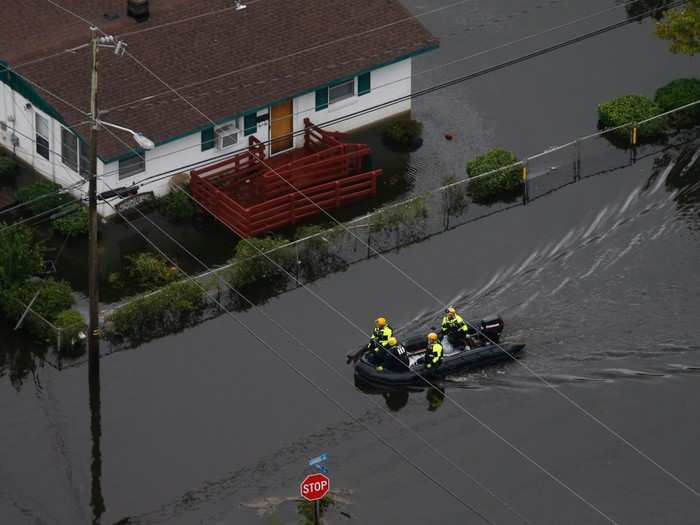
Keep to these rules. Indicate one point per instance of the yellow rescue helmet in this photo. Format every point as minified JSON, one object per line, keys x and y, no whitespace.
{"x":432,"y":337}
{"x":393,"y":341}
{"x":380,"y":322}
{"x":451,"y":312}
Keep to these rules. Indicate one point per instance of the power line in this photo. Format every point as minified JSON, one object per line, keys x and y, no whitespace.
{"x":307,"y":379}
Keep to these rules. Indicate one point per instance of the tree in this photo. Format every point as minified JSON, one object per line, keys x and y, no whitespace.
{"x":20,"y":255}
{"x":682,"y":28}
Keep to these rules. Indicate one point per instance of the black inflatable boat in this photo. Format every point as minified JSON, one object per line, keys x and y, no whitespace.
{"x":457,"y":357}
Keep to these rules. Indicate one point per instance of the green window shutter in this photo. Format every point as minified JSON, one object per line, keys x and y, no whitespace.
{"x":208,"y":138}
{"x":250,"y":124}
{"x":321,"y":98}
{"x":364,"y":84}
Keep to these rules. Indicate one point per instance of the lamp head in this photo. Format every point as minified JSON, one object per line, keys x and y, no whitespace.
{"x":144,"y":141}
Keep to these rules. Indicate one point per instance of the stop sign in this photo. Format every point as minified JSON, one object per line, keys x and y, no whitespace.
{"x":314,"y":487}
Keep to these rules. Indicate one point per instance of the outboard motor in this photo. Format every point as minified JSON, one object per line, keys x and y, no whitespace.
{"x":491,"y":328}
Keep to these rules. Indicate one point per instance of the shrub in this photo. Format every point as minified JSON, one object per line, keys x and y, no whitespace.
{"x":407,"y":214}
{"x":454,"y":196}
{"x":505,"y":184}
{"x":8,"y":166}
{"x":20,"y":255}
{"x":166,"y":311}
{"x":248,"y":266}
{"x":54,"y":297}
{"x":74,"y":223}
{"x":679,"y":93}
{"x":177,"y":205}
{"x":404,"y":133}
{"x":630,"y":109}
{"x":47,"y":194}
{"x":149,"y":271}
{"x":71,"y":323}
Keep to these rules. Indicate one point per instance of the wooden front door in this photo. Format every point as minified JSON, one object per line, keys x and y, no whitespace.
{"x":281,"y":127}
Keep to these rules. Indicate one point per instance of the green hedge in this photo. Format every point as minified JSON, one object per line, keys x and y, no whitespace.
{"x":45,"y":191}
{"x":169,"y":310}
{"x":20,"y":255}
{"x":630,"y":109}
{"x":71,"y":323}
{"x":8,"y":166}
{"x":248,"y":266}
{"x":72,"y":224}
{"x":149,"y":271}
{"x":404,"y":133}
{"x":54,"y":297}
{"x":679,"y":93}
{"x":177,"y":205}
{"x":505,"y":185}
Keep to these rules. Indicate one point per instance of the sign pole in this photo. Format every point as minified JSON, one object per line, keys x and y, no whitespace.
{"x":317,"y":512}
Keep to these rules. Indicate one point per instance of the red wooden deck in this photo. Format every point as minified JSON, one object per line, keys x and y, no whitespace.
{"x":254,"y":194}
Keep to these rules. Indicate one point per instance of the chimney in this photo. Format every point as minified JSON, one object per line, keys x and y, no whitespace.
{"x":138,"y":10}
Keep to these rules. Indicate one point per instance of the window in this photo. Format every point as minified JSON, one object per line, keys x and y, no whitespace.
{"x":69,"y":149}
{"x":339,"y":92}
{"x":321,"y":98}
{"x":250,"y":124}
{"x":226,"y":136}
{"x":208,"y":138}
{"x":84,"y":161}
{"x":132,"y":165}
{"x":364,"y":84}
{"x":42,"y":136}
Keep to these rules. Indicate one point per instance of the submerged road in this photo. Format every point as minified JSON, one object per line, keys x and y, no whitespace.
{"x":600,"y":279}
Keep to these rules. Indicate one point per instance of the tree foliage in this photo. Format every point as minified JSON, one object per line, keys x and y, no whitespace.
{"x":42,"y":196}
{"x":177,"y":205}
{"x":150,"y":271}
{"x":630,"y":109}
{"x":54,"y":297}
{"x":679,"y":93}
{"x":8,"y":166}
{"x":681,"y":27}
{"x":248,"y":265}
{"x":74,"y":223}
{"x":20,"y":255}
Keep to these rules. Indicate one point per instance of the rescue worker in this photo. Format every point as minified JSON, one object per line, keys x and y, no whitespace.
{"x":453,"y":324}
{"x":378,"y":341}
{"x":433,"y":354}
{"x":396,"y":356}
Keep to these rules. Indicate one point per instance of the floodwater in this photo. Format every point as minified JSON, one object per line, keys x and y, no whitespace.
{"x":600,"y":279}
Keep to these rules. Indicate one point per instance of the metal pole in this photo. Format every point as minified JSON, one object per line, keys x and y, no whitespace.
{"x":317,"y":512}
{"x":93,"y":321}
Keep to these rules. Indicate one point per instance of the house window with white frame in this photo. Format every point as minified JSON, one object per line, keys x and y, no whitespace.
{"x":69,"y":149}
{"x":43,"y":144}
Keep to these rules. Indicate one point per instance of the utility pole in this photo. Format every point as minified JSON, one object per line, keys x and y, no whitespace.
{"x":93,"y":266}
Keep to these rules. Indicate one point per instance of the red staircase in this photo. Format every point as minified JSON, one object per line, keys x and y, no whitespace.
{"x":253,"y":194}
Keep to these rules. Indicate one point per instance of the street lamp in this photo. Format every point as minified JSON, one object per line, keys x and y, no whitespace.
{"x":138,"y":137}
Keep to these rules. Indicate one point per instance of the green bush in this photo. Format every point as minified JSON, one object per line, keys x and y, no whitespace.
{"x":20,"y":255}
{"x":504,"y":185}
{"x":248,"y":266}
{"x":149,"y":271}
{"x":54,"y":297}
{"x":679,"y":93}
{"x":404,"y":132}
{"x":47,"y":194}
{"x":73,"y":224}
{"x":177,"y":205}
{"x":8,"y":166}
{"x":160,"y":313}
{"x":71,"y":323}
{"x":631,"y":109}
{"x":406,"y":214}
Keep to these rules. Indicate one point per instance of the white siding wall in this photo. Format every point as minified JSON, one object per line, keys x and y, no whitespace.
{"x":19,"y":118}
{"x":387,"y":83}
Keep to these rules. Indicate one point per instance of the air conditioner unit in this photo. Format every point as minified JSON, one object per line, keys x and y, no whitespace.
{"x":226,"y":136}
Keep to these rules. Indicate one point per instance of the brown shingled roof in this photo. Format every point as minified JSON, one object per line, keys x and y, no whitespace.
{"x":226,"y":45}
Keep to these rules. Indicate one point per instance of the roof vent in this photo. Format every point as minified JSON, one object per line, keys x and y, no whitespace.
{"x":138,"y":10}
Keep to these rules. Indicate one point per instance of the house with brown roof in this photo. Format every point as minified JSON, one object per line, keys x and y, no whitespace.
{"x":258,"y":71}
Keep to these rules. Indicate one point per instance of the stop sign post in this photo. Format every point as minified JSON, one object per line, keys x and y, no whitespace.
{"x":313,"y":488}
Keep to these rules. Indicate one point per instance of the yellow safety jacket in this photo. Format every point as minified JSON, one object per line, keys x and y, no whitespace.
{"x":456,"y":324}
{"x":381,"y":336}
{"x":433,"y":355}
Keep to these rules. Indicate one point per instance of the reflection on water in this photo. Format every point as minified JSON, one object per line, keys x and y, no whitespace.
{"x":397,"y":398}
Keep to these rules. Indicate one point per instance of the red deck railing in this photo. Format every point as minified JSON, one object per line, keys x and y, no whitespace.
{"x":253,"y":194}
